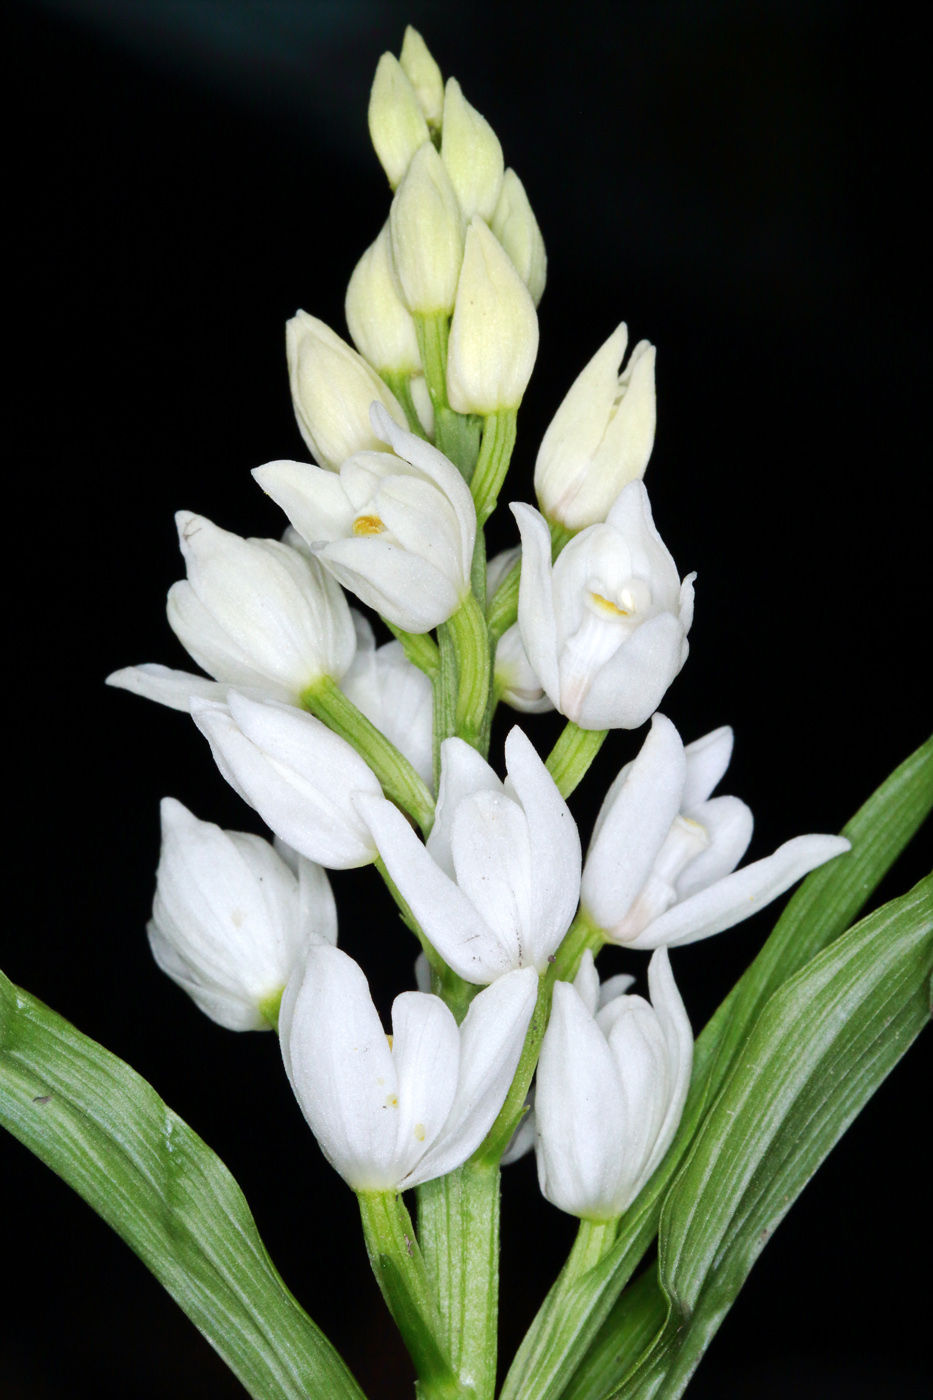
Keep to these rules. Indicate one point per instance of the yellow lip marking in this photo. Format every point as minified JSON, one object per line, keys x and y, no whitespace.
{"x":368,"y":525}
{"x":419,"y":1132}
{"x":389,"y":1039}
{"x":604,"y":604}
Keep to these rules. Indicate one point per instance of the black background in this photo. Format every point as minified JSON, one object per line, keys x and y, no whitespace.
{"x":742,"y":185}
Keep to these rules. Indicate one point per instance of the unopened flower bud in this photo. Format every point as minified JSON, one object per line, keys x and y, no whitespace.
{"x":516,"y":228}
{"x":396,"y":121}
{"x":472,"y":155}
{"x":426,"y":236}
{"x":332,"y":389}
{"x":600,"y":438}
{"x":494,"y":332}
{"x":380,"y":324}
{"x":421,"y":70}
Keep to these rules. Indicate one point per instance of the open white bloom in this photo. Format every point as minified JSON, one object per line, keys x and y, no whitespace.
{"x":496,"y":886}
{"x":611,"y":1089}
{"x":595,"y":995}
{"x":380,"y":323}
{"x":254,"y":613}
{"x":515,"y":226}
{"x":396,"y":122}
{"x":231,"y":920}
{"x":494,"y":331}
{"x":601,"y":437}
{"x":332,"y":389}
{"x":390,"y":1114}
{"x":605,"y":627}
{"x":394,"y":696}
{"x":398,"y":531}
{"x":300,"y":777}
{"x":471,"y":154}
{"x":660,"y":870}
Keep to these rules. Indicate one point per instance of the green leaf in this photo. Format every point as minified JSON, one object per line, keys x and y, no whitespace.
{"x":821,"y":1047}
{"x":637,"y":1317}
{"x":106,"y":1132}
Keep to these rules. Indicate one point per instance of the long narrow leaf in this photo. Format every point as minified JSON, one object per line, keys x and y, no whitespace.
{"x":821,"y":1047}
{"x":106,"y":1132}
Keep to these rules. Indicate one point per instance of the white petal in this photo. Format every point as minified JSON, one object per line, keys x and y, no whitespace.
{"x":578,"y":1095}
{"x":614,"y":987}
{"x":446,"y":916}
{"x":707,"y":760}
{"x":633,"y":822}
{"x":426,"y":1055}
{"x":740,"y":895}
{"x":672,"y":1016}
{"x":631,"y":685}
{"x":405,"y":589}
{"x":168,"y":687}
{"x":492,"y":862}
{"x":491,"y":1039}
{"x":313,"y":499}
{"x":536,"y":618}
{"x":555,"y":847}
{"x":341,"y":1069}
{"x":640,"y":1050}
{"x":463,"y":772}
{"x":586,"y":983}
{"x":728,"y":823}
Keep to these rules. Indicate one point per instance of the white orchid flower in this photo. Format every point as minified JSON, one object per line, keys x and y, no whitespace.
{"x":391,"y":1113}
{"x":232,"y":917}
{"x":611,"y":1088}
{"x":398,"y":531}
{"x":605,"y":628}
{"x":299,"y":776}
{"x":394,"y":696}
{"x":661,"y":868}
{"x":496,"y":886}
{"x":601,"y":437}
{"x":254,"y":613}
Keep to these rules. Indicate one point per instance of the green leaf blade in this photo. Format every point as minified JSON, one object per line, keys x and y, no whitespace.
{"x":108,"y":1134}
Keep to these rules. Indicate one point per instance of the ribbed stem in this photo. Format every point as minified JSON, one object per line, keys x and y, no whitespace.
{"x":474,"y":669}
{"x":572,"y":755}
{"x":494,"y":456}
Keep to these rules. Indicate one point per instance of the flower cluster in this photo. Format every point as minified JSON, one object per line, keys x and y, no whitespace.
{"x":340,"y":744}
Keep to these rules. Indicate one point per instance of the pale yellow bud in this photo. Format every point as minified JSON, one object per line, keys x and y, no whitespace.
{"x":380,"y":324}
{"x":516,"y":228}
{"x":396,"y":121}
{"x":422,"y":72}
{"x":494,"y":332}
{"x":471,"y":152}
{"x":332,"y":389}
{"x":426,"y":236}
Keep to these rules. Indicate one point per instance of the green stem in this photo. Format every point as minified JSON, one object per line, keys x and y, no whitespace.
{"x":400,"y":384}
{"x":420,"y":649}
{"x":560,"y":536}
{"x":399,"y":780}
{"x":581,"y":935}
{"x":572,"y":755}
{"x":397,"y":1263}
{"x":457,"y":435}
{"x":474,"y":669}
{"x":445,"y":695}
{"x":458,"y":1226}
{"x":494,"y":456}
{"x":503,"y":606}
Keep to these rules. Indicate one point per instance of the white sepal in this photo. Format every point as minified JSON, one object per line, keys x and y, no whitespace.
{"x":516,"y":228}
{"x":471,"y":154}
{"x":496,"y":886}
{"x":394,"y":696}
{"x":419,"y":66}
{"x":605,"y":627}
{"x":397,"y":530}
{"x":494,"y":332}
{"x":230,"y":919}
{"x":515,"y":679}
{"x":379,"y":322}
{"x":392,"y":1115}
{"x":610,"y":1092}
{"x":299,"y":776}
{"x":166,"y":686}
{"x":661,"y":868}
{"x":397,"y":126}
{"x":256,"y":613}
{"x":332,"y":389}
{"x":601,"y":437}
{"x":426,"y":232}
